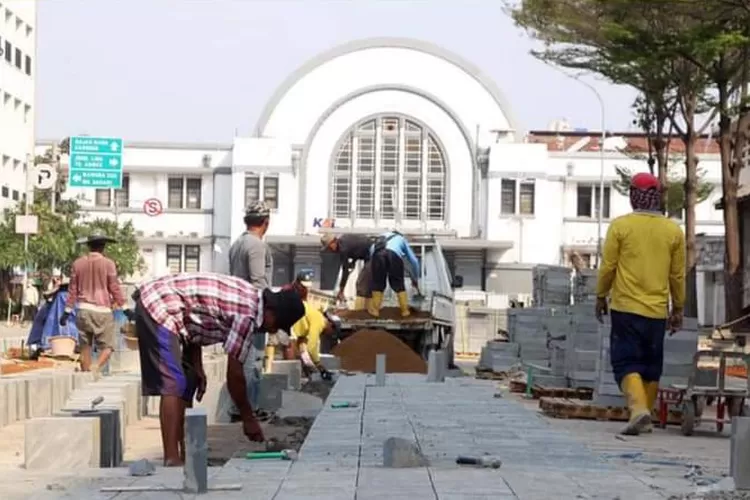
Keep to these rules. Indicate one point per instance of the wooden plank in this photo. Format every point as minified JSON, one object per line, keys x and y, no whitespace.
{"x":583,"y":410}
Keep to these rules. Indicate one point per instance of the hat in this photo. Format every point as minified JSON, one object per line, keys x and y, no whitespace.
{"x":326,"y":239}
{"x":645,"y":181}
{"x":286,"y":305}
{"x":96,"y":237}
{"x":305,"y":278}
{"x":258,"y":209}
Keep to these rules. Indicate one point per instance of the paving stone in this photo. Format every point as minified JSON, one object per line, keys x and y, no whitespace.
{"x":399,"y":453}
{"x":39,"y":396}
{"x":61,"y":443}
{"x":293,"y":369}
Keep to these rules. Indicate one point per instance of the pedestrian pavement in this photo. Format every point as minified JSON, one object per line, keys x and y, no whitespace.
{"x":342,"y":455}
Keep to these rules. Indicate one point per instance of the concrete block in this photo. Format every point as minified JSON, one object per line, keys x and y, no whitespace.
{"x":739,"y":461}
{"x":437,"y":365}
{"x":62,"y":387}
{"x":110,"y":438}
{"x":129,"y":392}
{"x":84,"y":404}
{"x":62,"y":443}
{"x":125,"y":361}
{"x":401,"y":453}
{"x":271,"y":387}
{"x":291,"y":368}
{"x":82,"y":379}
{"x":196,"y":451}
{"x":330,"y":362}
{"x":380,"y":369}
{"x":9,"y":401}
{"x":39,"y":396}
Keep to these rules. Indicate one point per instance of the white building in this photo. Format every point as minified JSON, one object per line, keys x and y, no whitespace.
{"x":379,"y":134}
{"x":17,"y":97}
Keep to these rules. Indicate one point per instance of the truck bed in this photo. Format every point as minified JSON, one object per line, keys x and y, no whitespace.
{"x":390,"y":319}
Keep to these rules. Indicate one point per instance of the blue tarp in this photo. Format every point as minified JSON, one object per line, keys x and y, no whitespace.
{"x":47,"y":321}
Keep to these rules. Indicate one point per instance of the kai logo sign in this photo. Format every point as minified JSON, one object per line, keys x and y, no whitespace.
{"x":324,"y":223}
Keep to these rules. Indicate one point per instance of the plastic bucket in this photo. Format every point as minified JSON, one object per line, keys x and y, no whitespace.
{"x":62,"y":345}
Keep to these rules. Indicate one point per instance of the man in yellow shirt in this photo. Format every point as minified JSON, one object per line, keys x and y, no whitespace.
{"x":643,"y":264}
{"x":307,"y":331}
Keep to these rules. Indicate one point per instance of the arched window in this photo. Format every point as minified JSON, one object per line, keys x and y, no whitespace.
{"x":389,"y":168}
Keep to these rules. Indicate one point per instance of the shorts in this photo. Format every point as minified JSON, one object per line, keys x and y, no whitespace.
{"x":636,"y":346}
{"x":96,"y":327}
{"x":166,"y":367}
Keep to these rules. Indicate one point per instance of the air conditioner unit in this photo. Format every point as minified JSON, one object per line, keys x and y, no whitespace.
{"x":193,"y":235}
{"x":206,"y":161}
{"x":159,"y":234}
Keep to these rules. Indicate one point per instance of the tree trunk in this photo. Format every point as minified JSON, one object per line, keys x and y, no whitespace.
{"x":691,"y":199}
{"x":660,"y":150}
{"x":732,"y":261}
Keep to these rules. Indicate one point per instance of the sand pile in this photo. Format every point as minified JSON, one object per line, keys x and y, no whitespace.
{"x":389,"y":313}
{"x":358,"y":352}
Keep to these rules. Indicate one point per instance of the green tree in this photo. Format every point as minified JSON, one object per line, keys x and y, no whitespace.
{"x":124,"y":252}
{"x":675,"y":187}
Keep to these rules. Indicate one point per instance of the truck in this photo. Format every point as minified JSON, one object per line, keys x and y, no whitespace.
{"x":434,"y":328}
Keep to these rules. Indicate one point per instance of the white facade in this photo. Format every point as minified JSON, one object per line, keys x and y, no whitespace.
{"x":17,"y":97}
{"x":380,"y":134}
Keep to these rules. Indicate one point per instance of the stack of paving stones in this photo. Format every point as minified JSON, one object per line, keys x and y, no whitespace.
{"x":584,"y":286}
{"x":499,"y":357}
{"x":551,"y":286}
{"x":538,"y":332}
{"x":582,"y":347}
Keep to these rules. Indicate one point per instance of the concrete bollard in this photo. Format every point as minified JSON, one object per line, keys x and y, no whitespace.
{"x":739,"y":459}
{"x":380,"y":370}
{"x":196,"y":451}
{"x":436,"y":366}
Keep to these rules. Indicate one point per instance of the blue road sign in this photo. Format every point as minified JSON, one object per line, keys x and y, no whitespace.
{"x":95,"y":162}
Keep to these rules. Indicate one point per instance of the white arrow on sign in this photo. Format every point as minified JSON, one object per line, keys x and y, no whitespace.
{"x":113,"y":146}
{"x":77,"y":177}
{"x":44,"y":176}
{"x":113,"y":162}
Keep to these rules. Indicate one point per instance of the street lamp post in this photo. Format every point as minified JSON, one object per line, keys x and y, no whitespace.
{"x":603,"y":126}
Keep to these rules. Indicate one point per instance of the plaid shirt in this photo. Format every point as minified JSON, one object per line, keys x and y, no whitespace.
{"x":206,"y":308}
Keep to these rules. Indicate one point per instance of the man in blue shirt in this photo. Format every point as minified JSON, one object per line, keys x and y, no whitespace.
{"x":388,"y":254}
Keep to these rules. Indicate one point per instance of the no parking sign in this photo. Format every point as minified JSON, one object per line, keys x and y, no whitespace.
{"x":152,"y":207}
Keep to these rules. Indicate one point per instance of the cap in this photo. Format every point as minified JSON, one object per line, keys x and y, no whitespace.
{"x":645,"y":181}
{"x":258,"y":209}
{"x":326,"y":239}
{"x":96,"y":237}
{"x":305,"y":278}
{"x":287,"y":306}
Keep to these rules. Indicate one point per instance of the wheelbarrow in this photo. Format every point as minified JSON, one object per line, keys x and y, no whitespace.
{"x":693,"y":399}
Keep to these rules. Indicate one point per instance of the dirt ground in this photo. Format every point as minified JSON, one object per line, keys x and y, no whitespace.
{"x":227,"y":440}
{"x":13,"y":366}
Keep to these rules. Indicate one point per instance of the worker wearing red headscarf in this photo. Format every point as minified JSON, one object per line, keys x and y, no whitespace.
{"x":642,"y":266}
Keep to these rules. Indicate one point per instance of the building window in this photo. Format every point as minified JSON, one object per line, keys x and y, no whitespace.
{"x":28,"y":65}
{"x":19,"y":56}
{"x":526,"y":194}
{"x":183,"y":258}
{"x":587,"y":201}
{"x":16,"y":195}
{"x":262,"y":188}
{"x":184,"y":192}
{"x":8,"y":52}
{"x":175,"y":186}
{"x":508,"y":197}
{"x":388,"y":168}
{"x":105,"y":197}
{"x":5,"y":191}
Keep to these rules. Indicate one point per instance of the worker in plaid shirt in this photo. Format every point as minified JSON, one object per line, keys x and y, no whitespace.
{"x":175,"y":316}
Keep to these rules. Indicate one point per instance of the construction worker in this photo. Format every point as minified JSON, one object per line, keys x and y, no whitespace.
{"x":643,"y":264}
{"x":351,"y":248}
{"x":94,"y":287}
{"x":301,"y":284}
{"x":307,"y":332}
{"x":387,"y":255}
{"x":175,"y":316}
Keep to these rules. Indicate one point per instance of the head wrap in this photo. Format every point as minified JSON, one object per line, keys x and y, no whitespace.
{"x":645,"y":192}
{"x":258,"y":209}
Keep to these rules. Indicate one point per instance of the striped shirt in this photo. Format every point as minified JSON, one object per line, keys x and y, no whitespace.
{"x":206,"y":308}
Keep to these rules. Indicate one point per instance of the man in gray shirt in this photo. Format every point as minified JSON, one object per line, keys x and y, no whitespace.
{"x":250,"y":259}
{"x":249,"y":256}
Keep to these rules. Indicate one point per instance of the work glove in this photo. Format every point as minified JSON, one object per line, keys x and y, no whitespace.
{"x":129,"y":314}
{"x":64,"y":318}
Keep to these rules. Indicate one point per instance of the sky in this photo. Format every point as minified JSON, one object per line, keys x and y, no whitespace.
{"x":202,"y":70}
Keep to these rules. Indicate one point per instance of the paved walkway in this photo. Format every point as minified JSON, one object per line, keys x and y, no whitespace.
{"x":342,"y":457}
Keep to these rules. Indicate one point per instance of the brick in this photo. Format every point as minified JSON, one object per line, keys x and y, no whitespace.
{"x":55,"y":443}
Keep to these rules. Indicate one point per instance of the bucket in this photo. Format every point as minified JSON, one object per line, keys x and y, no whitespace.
{"x":62,"y":345}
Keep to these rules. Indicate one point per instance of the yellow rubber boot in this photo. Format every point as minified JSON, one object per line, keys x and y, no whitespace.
{"x":652,"y":392}
{"x":635,"y":393}
{"x":270,"y":354}
{"x":403,"y":304}
{"x":375,"y":302}
{"x":360,"y":303}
